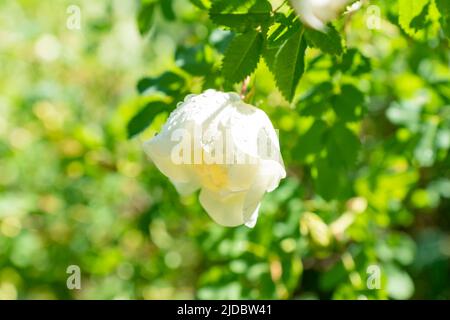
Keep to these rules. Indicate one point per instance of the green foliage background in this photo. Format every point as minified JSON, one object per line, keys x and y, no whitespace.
{"x":367,"y":122}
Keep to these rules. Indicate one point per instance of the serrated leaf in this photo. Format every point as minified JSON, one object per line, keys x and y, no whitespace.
{"x":269,"y":55}
{"x":277,"y":37}
{"x":242,"y":56}
{"x":290,"y":64}
{"x":145,"y":117}
{"x":408,"y":10}
{"x":329,"y":42}
{"x":145,"y":17}
{"x":285,"y":27}
{"x":240,"y":15}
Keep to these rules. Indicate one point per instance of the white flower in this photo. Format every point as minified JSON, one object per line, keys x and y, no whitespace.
{"x":219,"y":144}
{"x":317,"y":13}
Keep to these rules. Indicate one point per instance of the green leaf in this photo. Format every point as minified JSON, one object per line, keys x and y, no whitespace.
{"x":420,"y":22}
{"x":240,"y":15}
{"x":343,"y":146}
{"x":316,"y":101}
{"x":145,"y":117}
{"x":242,"y":56}
{"x":311,"y":142}
{"x":286,"y":26}
{"x":193,"y":60}
{"x":169,"y":83}
{"x":444,"y":9}
{"x":352,"y":63}
{"x":145,"y":17}
{"x":333,"y":171}
{"x":278,"y":36}
{"x":269,"y":55}
{"x":329,"y":42}
{"x":167,"y":9}
{"x":347,"y":103}
{"x":330,"y":279}
{"x":290,"y":64}
{"x":408,"y":10}
{"x":330,"y":181}
{"x":199,"y":4}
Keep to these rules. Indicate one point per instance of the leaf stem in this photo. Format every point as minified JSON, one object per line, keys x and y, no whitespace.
{"x":244,"y":88}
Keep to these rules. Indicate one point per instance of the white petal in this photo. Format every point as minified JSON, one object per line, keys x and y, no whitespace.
{"x":186,"y":188}
{"x":267,"y":179}
{"x":241,"y":176}
{"x":225,"y":210}
{"x":248,"y":125}
{"x":159,"y":152}
{"x":305,"y":9}
{"x":273,"y":173}
{"x":199,"y":108}
{"x":253,"y":134}
{"x":251,"y":222}
{"x":317,"y":13}
{"x":236,"y":208}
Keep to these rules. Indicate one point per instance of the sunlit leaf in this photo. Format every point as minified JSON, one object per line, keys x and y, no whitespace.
{"x":290,"y":64}
{"x":242,"y":56}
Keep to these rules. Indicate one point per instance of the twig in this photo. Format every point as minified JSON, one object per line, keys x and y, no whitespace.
{"x":245,"y":85}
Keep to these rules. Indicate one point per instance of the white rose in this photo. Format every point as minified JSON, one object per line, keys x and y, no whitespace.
{"x":317,"y":13}
{"x":219,"y":144}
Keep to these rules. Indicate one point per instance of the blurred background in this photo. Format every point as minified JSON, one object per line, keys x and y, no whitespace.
{"x":363,"y":214}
